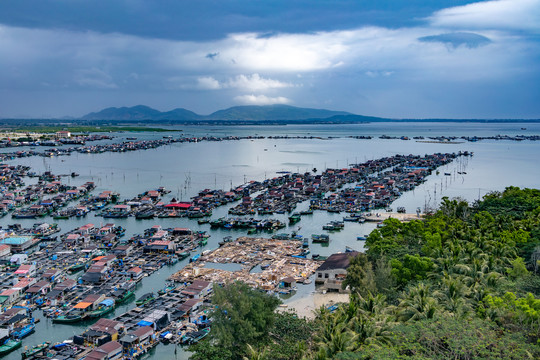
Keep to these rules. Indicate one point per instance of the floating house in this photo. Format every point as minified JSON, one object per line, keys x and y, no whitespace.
{"x":110,"y":351}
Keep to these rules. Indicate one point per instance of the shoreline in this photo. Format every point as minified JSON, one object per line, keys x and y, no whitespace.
{"x":305,"y":306}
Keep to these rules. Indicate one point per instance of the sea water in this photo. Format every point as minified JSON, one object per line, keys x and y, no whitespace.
{"x":187,"y":168}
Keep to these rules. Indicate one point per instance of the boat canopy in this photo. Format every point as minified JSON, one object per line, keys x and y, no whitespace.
{"x":107,"y":302}
{"x":82,"y":305}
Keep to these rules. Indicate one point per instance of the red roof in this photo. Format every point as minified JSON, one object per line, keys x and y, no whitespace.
{"x":179,"y":205}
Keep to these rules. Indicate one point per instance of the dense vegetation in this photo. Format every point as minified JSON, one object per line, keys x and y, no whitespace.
{"x":461,"y":284}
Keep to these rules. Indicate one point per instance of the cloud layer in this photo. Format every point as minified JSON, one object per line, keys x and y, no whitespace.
{"x":464,"y":61}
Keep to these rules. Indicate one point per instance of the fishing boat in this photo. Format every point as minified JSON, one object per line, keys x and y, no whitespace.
{"x":203,"y":221}
{"x":349,"y":249}
{"x":166,"y":289}
{"x":194,"y":337}
{"x":306,"y":212}
{"x":145,"y":214}
{"x":182,"y":255}
{"x":76,"y":268}
{"x":145,"y":299}
{"x":294,"y":218}
{"x":82,"y":211}
{"x":9,"y":346}
{"x":24,"y":331}
{"x":323,"y":238}
{"x":203,"y":242}
{"x":69,"y":318}
{"x":121,"y":295}
{"x":104,"y":307}
{"x":305,"y":243}
{"x":194,"y":258}
{"x":28,"y":353}
{"x":282,"y":236}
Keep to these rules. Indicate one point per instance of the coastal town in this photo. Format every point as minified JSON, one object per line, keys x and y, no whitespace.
{"x":81,"y":275}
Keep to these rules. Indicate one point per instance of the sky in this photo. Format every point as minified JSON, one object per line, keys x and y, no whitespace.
{"x":387,"y":58}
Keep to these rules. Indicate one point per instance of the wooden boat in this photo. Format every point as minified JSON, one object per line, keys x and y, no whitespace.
{"x":35,"y":350}
{"x":105,"y":307}
{"x":24,"y":331}
{"x":148,"y":214}
{"x":145,"y":299}
{"x":194,"y":337}
{"x":167,"y":289}
{"x":68,"y":319}
{"x":182,"y":255}
{"x":76,"y":268}
{"x":122,"y":295}
{"x":294,"y":218}
{"x":9,"y":346}
{"x":323,"y":238}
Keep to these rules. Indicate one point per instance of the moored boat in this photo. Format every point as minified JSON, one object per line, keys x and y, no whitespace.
{"x":122,"y":295}
{"x":35,"y":350}
{"x":145,"y":299}
{"x":194,"y":337}
{"x":24,"y":331}
{"x":9,"y":346}
{"x":294,"y":218}
{"x":105,"y":307}
{"x":323,"y":238}
{"x":68,"y":318}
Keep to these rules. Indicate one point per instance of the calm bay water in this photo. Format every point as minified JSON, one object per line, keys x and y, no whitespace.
{"x":189,"y":167}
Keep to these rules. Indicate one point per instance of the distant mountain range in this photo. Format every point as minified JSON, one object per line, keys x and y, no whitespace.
{"x":243,"y":115}
{"x":237,"y":113}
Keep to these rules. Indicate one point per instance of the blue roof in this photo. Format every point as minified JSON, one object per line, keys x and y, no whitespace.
{"x":144,"y":323}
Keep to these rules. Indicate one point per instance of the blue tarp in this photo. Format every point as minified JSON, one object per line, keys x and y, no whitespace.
{"x":144,"y":323}
{"x":107,"y":302}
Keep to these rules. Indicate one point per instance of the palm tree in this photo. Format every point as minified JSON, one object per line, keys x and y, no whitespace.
{"x":253,"y":354}
{"x":417,"y":304}
{"x":340,"y":339}
{"x":453,"y":296}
